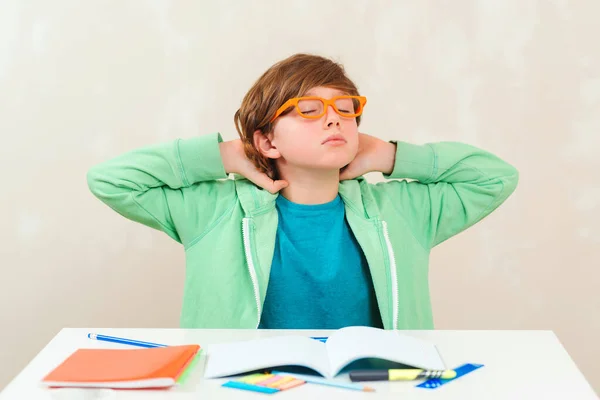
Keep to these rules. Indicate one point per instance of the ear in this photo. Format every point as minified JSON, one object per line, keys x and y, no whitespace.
{"x":263,"y":143}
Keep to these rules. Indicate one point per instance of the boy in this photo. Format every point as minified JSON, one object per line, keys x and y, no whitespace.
{"x":299,"y":239}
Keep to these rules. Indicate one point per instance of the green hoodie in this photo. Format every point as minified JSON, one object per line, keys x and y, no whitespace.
{"x":227,"y":226}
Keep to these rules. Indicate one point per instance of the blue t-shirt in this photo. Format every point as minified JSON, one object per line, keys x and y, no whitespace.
{"x":319,"y":277}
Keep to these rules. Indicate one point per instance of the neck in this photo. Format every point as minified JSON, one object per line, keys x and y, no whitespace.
{"x":310,"y":186}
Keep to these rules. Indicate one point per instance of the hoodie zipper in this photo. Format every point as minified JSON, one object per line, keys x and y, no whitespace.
{"x":393,"y":275}
{"x":250,"y":262}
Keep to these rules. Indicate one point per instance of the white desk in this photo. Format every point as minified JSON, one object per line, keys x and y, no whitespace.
{"x":518,"y":365}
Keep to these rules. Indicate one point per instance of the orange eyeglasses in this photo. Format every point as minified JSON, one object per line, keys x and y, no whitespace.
{"x":314,"y":107}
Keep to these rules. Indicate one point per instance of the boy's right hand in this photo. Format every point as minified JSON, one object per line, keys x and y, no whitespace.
{"x":235,"y":161}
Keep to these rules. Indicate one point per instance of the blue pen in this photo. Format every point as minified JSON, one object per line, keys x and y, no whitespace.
{"x":132,"y":342}
{"x":320,"y":338}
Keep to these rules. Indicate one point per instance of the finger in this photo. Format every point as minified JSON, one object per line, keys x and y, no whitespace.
{"x":278,"y":185}
{"x":267,"y":183}
{"x":347,"y":174}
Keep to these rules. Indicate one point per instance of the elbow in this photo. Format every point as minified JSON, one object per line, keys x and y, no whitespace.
{"x":503,"y":183}
{"x":506,"y":184}
{"x":96,"y":181}
{"x":92,"y":179}
{"x":511,"y":180}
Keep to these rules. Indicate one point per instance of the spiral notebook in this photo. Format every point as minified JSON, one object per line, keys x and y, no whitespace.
{"x":122,"y":368}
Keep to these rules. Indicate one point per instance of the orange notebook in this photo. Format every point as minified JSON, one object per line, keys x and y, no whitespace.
{"x":157,"y":367}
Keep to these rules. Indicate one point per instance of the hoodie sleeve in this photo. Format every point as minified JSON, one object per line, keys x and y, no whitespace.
{"x":452,"y":187}
{"x":168,"y":186}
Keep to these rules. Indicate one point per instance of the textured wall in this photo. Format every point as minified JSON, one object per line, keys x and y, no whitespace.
{"x":84,"y":81}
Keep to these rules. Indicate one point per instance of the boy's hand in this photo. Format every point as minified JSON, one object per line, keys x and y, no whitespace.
{"x":373,"y":155}
{"x":235,"y":161}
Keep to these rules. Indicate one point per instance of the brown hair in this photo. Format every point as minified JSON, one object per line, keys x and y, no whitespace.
{"x":288,"y":78}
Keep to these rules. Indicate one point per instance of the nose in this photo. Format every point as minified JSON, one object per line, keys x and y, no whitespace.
{"x":332,"y":118}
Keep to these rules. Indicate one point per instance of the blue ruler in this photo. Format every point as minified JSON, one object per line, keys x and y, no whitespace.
{"x":460,"y":371}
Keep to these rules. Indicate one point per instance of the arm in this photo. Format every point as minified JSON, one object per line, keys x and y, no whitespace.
{"x":454,"y":186}
{"x":162,"y":185}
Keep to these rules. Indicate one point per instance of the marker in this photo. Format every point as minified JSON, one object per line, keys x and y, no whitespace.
{"x":132,"y":342}
{"x":399,"y":374}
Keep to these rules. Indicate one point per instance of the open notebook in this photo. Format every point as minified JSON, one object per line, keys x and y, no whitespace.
{"x":122,"y":368}
{"x":343,"y":347}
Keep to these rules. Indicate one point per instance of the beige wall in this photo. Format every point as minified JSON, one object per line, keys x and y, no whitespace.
{"x":84,"y":81}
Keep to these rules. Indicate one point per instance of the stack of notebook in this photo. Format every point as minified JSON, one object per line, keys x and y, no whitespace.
{"x":159,"y":367}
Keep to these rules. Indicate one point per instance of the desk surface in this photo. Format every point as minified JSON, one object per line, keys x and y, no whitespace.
{"x":518,"y":365}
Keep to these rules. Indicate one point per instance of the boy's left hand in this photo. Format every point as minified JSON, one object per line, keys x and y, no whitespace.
{"x":373,"y":155}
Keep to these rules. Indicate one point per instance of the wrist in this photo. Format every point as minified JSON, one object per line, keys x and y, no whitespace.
{"x":386,"y":157}
{"x":229,"y":154}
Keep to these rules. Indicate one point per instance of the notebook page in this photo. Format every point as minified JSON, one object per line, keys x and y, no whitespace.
{"x":353,"y":343}
{"x":233,"y":358}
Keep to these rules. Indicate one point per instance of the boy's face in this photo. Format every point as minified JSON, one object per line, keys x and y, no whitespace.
{"x":303,"y":142}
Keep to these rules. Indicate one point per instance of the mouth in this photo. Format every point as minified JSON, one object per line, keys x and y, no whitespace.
{"x":334,"y":139}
